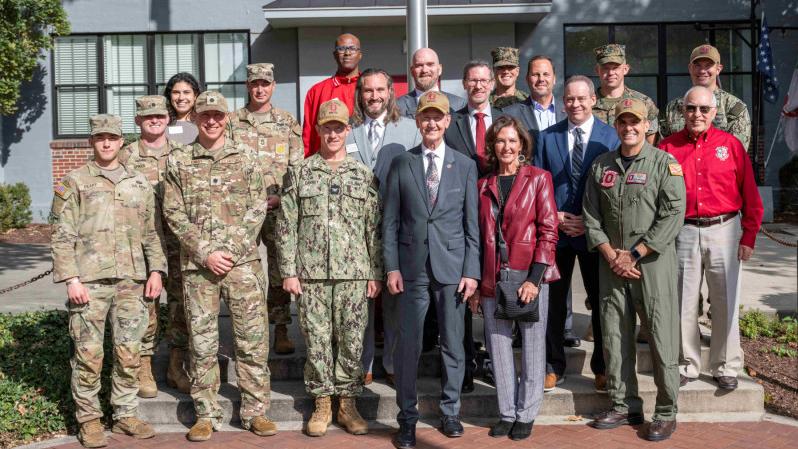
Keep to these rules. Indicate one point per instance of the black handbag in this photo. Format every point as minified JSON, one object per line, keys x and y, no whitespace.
{"x":508,"y":304}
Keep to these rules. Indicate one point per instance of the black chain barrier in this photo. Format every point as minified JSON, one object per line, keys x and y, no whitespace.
{"x":28,"y":282}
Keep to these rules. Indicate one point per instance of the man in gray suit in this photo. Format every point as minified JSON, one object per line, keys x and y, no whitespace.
{"x":431,"y":250}
{"x":426,"y":70}
{"x":380,"y":134}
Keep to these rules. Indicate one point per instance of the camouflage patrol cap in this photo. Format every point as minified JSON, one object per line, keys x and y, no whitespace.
{"x":260,"y":71}
{"x":705,"y":51}
{"x":151,"y":105}
{"x":106,"y":123}
{"x":435,"y":100}
{"x":610,"y":53}
{"x":504,"y":56}
{"x":631,"y":106}
{"x":333,"y":111}
{"x":210,"y":100}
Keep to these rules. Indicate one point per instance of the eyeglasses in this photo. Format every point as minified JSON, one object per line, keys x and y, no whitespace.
{"x":474,"y":82}
{"x":691,"y":108}
{"x":348,"y":49}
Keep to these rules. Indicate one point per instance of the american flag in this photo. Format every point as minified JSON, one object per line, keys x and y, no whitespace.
{"x":765,"y":66}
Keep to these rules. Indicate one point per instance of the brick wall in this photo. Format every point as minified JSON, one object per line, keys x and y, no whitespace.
{"x":68,"y":155}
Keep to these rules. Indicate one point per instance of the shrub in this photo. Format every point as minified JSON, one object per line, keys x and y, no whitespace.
{"x":14,"y":206}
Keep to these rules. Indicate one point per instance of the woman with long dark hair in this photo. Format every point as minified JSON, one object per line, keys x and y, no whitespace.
{"x":518,"y":229}
{"x":181,"y":92}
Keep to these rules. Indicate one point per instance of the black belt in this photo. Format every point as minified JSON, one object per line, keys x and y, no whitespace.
{"x":703,"y":222}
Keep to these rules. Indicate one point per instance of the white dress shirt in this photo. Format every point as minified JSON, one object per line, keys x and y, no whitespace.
{"x":472,"y":122}
{"x":438,"y":152}
{"x":586,"y":128}
{"x":379,"y":127}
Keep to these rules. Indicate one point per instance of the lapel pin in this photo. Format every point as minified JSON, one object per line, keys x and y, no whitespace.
{"x":448,"y":165}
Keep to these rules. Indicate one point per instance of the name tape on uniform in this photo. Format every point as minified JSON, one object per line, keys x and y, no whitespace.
{"x":351,"y":148}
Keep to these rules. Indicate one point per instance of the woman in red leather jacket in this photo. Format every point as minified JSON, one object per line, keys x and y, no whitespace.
{"x":529,"y":226}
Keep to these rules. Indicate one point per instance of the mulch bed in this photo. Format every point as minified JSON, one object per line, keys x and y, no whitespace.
{"x":778,"y":375}
{"x":33,"y":233}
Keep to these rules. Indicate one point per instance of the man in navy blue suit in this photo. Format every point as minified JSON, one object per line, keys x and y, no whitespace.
{"x":567,"y":150}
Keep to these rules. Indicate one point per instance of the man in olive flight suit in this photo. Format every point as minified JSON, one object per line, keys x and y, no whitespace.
{"x":634,"y":208}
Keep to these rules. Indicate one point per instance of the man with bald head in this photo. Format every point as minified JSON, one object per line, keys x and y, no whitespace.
{"x":724,"y":212}
{"x":426,"y":70}
{"x":347,"y":56}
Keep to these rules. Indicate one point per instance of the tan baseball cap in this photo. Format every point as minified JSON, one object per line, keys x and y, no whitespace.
{"x":610,"y":53}
{"x":705,"y":51}
{"x":435,"y":100}
{"x":260,"y":71}
{"x":333,"y":111}
{"x":210,"y":100}
{"x":151,"y":105}
{"x":504,"y":56}
{"x":105,"y":123}
{"x":631,"y":106}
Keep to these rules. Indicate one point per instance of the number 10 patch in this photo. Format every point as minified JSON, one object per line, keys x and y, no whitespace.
{"x":636,"y":178}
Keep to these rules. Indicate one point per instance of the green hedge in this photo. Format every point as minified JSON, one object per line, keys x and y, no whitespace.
{"x":14,"y":206}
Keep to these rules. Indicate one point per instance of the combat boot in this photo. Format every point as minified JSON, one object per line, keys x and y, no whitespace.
{"x":201,"y":430}
{"x":349,"y":418}
{"x":92,"y":434}
{"x":321,"y":417}
{"x":134,"y":427}
{"x":262,"y":426}
{"x":282,"y":344}
{"x":147,"y":387}
{"x":176,"y":376}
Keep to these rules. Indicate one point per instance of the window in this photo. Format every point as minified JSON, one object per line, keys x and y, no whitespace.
{"x":658,"y":55}
{"x":105,"y":73}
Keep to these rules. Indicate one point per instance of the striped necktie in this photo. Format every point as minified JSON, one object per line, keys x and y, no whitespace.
{"x":576,"y":158}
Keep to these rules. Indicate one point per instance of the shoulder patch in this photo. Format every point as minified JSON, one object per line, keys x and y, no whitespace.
{"x":675,"y":169}
{"x":62,"y":191}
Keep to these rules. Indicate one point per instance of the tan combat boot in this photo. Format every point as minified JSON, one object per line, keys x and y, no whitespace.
{"x":282,"y":344}
{"x":176,"y":376}
{"x":134,"y":427}
{"x":147,"y":387}
{"x":92,"y":434}
{"x":349,"y":418}
{"x":321,"y":418}
{"x":262,"y":426}
{"x":201,"y":430}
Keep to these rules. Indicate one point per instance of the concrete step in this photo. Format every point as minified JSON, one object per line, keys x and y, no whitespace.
{"x":575,"y":396}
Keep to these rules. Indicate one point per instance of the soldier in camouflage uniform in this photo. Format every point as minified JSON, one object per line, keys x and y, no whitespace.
{"x":732,"y":115}
{"x":506,"y":69}
{"x":215,"y":202}
{"x":330,"y":256}
{"x":611,"y":67}
{"x":148,"y":156}
{"x":277,"y":138}
{"x":105,"y":244}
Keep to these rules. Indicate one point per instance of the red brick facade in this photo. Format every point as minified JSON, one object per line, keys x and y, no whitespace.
{"x":68,"y":155}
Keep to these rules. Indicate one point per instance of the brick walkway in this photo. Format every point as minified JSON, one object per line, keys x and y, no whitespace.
{"x":688,"y":435}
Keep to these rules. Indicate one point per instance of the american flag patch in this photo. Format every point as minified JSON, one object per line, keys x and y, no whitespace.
{"x":60,"y":190}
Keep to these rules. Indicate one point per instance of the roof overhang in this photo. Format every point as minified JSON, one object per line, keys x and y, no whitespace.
{"x":392,"y":15}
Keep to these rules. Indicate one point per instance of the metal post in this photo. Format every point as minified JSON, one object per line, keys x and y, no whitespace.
{"x":416,"y":26}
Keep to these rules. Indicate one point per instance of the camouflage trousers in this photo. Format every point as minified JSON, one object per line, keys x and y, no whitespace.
{"x":176,"y":330}
{"x":122,"y":301}
{"x":243,"y":290}
{"x":333,"y":316}
{"x":279,"y":300}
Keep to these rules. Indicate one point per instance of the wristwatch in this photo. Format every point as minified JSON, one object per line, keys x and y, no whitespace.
{"x":74,"y":280}
{"x":636,"y":254}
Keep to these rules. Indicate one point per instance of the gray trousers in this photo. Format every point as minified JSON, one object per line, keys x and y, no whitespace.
{"x":519,"y":398}
{"x":390,"y":329}
{"x":412,"y":308}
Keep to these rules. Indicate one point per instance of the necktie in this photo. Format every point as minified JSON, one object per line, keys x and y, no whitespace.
{"x":374,"y":138}
{"x":576,"y":158}
{"x":480,"y":137}
{"x":432,"y":179}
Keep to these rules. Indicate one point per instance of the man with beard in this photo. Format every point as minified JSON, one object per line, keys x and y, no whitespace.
{"x":426,"y":71}
{"x":347,"y":56}
{"x":380,"y":133}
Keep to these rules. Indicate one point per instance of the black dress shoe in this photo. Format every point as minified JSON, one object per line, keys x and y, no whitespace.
{"x":726,"y":382}
{"x":501,"y":429}
{"x":612,"y":419}
{"x":521,"y":430}
{"x":468,"y":382}
{"x":660,"y":430}
{"x":571,"y":340}
{"x":683,"y":380}
{"x":451,"y":427}
{"x":405,"y":438}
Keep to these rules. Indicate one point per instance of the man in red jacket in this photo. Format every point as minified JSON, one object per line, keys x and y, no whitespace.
{"x":341,"y":85}
{"x":724,"y":212}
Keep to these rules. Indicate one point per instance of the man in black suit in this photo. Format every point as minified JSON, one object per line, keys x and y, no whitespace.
{"x":431,"y":250}
{"x":540,"y":110}
{"x":426,"y":70}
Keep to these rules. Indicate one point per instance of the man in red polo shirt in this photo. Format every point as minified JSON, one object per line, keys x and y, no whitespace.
{"x":724,"y":212}
{"x":341,"y":85}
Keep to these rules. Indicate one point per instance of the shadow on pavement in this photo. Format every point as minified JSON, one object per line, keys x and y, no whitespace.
{"x":22,"y":257}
